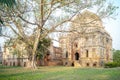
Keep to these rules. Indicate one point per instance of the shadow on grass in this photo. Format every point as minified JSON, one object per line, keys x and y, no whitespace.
{"x":11,"y":75}
{"x":30,"y":73}
{"x":8,"y":67}
{"x":8,"y":72}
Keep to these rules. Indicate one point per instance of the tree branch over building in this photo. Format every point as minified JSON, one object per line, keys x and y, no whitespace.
{"x":39,"y":15}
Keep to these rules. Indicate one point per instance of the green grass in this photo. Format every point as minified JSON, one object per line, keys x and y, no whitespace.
{"x":59,"y":73}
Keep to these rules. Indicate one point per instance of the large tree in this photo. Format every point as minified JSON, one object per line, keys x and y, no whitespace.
{"x":34,"y":20}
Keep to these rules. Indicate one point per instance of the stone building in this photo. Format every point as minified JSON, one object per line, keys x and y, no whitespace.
{"x":55,"y":56}
{"x":57,"y":53}
{"x":87,"y":44}
{"x":14,"y":57}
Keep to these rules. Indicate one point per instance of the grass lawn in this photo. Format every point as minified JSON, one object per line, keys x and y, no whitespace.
{"x":59,"y":73}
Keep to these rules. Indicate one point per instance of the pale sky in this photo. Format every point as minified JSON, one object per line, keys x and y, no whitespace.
{"x":113,"y":27}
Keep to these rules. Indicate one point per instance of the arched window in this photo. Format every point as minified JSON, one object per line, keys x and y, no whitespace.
{"x":76,"y":56}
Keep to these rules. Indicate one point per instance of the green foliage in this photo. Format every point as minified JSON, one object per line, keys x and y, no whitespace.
{"x":44,"y":43}
{"x":116,"y":56}
{"x":43,"y":47}
{"x":8,"y":3}
{"x":1,"y":21}
{"x":116,"y":60}
{"x":112,"y":64}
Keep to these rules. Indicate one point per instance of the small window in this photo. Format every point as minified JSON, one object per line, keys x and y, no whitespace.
{"x":87,"y":53}
{"x":66,"y":63}
{"x":107,"y":40}
{"x":76,"y":45}
{"x":87,"y":64}
{"x":66,"y":54}
{"x":13,"y":63}
{"x":95,"y":64}
{"x":24,"y":64}
{"x":72,"y":64}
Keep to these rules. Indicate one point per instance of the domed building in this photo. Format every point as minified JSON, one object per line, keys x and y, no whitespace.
{"x":87,"y":44}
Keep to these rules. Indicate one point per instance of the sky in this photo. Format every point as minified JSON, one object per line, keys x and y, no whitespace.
{"x":112,"y":26}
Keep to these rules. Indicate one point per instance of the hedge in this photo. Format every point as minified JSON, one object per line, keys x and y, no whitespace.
{"x":112,"y":64}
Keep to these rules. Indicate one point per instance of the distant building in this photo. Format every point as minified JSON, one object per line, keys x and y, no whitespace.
{"x":14,"y":57}
{"x":57,"y":53}
{"x":54,"y":57}
{"x":88,"y":44}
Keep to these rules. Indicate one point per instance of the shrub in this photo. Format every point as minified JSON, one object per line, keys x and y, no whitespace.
{"x":112,"y":64}
{"x":116,"y":56}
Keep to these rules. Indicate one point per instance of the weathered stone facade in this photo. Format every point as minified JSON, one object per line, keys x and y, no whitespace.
{"x":88,"y":44}
{"x":11,"y":57}
{"x":55,"y":56}
{"x":14,"y":57}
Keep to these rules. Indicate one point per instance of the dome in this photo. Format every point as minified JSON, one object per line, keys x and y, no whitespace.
{"x":87,"y":14}
{"x":86,"y":19}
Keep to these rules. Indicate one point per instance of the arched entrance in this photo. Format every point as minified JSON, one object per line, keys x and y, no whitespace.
{"x":76,"y":56}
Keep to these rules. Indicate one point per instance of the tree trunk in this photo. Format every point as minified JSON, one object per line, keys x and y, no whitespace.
{"x":37,"y":38}
{"x":33,"y":61}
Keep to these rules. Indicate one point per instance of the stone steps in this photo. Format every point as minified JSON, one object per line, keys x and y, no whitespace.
{"x":77,"y":64}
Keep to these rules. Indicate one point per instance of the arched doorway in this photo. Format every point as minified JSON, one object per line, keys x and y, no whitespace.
{"x":76,"y":56}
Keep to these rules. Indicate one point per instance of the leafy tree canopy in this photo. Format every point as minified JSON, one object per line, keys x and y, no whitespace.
{"x":43,"y":47}
{"x":116,"y":56}
{"x":8,"y":3}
